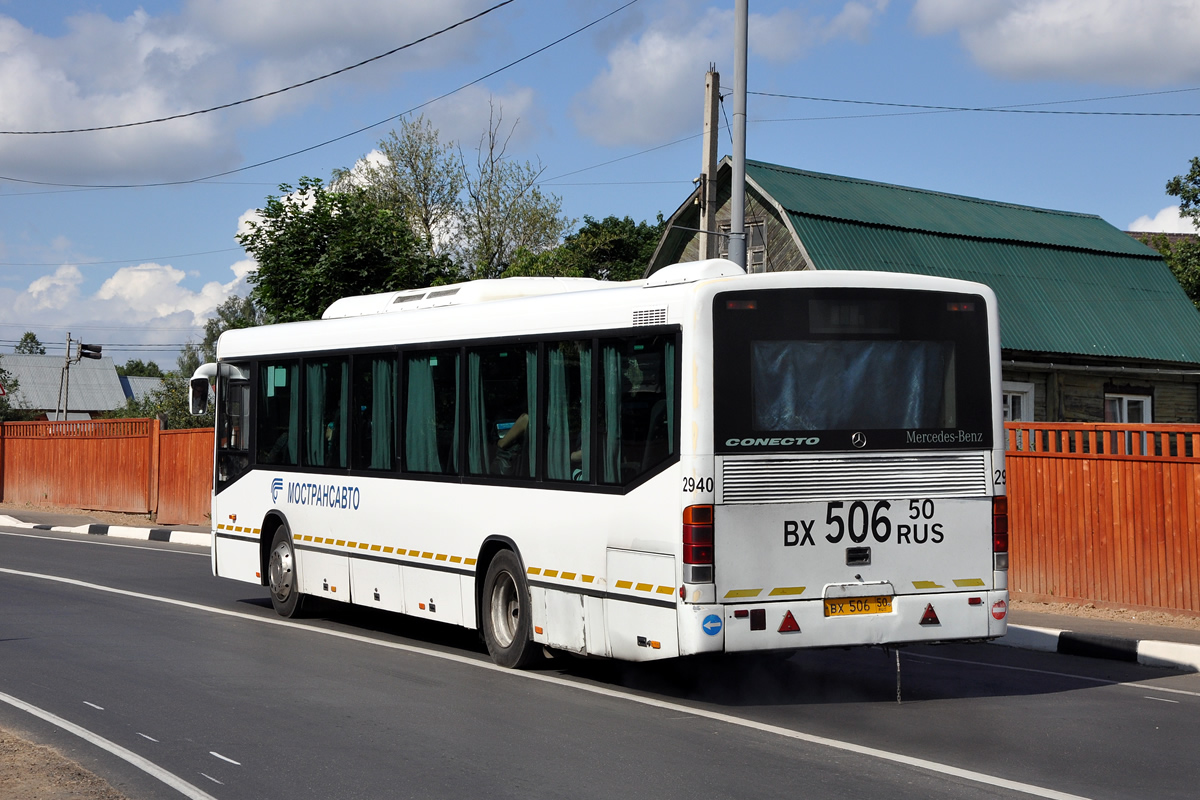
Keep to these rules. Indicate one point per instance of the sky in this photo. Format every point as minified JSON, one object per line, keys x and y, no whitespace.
{"x":125,"y":237}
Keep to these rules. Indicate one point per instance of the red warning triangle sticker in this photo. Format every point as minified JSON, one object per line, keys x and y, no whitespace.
{"x":930,"y":616}
{"x":789,"y":624}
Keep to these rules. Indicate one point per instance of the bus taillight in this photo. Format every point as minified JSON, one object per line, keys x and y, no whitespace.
{"x":698,"y":544}
{"x":1000,"y":531}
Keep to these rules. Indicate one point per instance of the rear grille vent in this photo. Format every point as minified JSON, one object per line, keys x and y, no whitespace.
{"x":790,"y":480}
{"x":649,"y":316}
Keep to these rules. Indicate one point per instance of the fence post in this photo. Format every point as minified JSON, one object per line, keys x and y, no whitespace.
{"x":152,"y":487}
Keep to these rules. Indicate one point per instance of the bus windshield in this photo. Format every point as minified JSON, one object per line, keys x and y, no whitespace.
{"x":850,"y":369}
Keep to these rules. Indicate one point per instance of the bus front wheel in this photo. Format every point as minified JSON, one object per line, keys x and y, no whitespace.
{"x":506,"y":619}
{"x":281,"y":575}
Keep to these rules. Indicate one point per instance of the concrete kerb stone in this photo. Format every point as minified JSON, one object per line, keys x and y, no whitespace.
{"x":1149,"y":652}
{"x":195,"y":538}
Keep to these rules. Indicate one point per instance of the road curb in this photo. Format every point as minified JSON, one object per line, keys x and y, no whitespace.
{"x":119,"y":531}
{"x":1149,"y":652}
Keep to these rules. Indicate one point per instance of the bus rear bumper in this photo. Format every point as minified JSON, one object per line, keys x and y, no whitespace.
{"x":935,"y":617}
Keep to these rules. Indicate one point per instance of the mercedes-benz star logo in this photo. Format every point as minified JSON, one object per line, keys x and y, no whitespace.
{"x":859,"y":439}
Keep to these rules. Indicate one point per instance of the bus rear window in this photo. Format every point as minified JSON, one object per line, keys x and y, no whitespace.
{"x":843,"y":369}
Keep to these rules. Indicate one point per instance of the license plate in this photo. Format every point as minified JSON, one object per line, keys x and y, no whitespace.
{"x":848,"y":606}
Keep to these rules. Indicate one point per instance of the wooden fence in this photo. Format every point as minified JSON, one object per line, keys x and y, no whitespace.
{"x":126,"y":465}
{"x":1105,"y":514}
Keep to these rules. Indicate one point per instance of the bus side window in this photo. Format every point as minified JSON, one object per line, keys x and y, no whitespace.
{"x":569,"y":411}
{"x":374,"y":417}
{"x":502,"y":414}
{"x":636,"y":417}
{"x":278,"y":429}
{"x":326,"y":411}
{"x":431,"y":412}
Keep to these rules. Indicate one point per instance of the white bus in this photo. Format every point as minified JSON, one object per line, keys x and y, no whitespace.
{"x":704,"y":461}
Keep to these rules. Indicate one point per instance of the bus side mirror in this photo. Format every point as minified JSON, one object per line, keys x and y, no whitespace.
{"x":199,"y":396}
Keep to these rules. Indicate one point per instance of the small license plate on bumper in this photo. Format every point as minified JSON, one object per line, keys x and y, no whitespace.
{"x":849,"y":606}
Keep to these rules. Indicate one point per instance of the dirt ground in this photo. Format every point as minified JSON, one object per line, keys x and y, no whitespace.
{"x":1090,"y":611}
{"x":110,"y":517}
{"x":32,"y":772}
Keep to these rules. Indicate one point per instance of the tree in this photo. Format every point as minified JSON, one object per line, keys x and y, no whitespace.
{"x":134,"y":368}
{"x":314,"y":246}
{"x":612,"y":249}
{"x":421,"y":177}
{"x":504,"y":209}
{"x":236,"y":312}
{"x":30,"y":345}
{"x":1183,"y":254}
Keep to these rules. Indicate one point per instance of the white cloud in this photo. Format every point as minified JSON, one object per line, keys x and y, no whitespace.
{"x":1165,"y":221}
{"x":54,"y":291}
{"x":1119,"y":41}
{"x":651,"y":89}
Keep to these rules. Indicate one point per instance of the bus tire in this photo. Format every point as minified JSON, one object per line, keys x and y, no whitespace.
{"x":282,"y":575}
{"x":507,"y":628}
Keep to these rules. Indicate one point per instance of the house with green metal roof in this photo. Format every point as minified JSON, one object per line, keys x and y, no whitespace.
{"x":1093,"y":325}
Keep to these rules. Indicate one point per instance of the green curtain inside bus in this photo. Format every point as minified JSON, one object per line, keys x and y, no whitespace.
{"x":383,"y":387}
{"x":610,"y":445}
{"x":568,"y":428}
{"x":477,"y":427}
{"x":420,"y":432}
{"x":314,"y":386}
{"x":531,"y":432}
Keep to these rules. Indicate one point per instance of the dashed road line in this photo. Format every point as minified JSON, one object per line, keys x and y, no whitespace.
{"x":93,"y":705}
{"x":224,"y":758}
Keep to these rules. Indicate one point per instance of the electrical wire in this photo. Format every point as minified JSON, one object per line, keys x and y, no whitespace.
{"x":363,"y":129}
{"x":265,"y":95}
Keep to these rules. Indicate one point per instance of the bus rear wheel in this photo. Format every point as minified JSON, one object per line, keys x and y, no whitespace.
{"x":506,"y":619}
{"x":282,"y":576}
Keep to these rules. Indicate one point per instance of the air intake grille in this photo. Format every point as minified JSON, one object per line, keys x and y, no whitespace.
{"x":790,"y":480}
{"x":649,"y":316}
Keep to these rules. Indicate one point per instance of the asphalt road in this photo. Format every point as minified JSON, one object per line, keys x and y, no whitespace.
{"x":140,"y":649}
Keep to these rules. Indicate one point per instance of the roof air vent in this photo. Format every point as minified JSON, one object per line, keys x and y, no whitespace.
{"x":649,"y":316}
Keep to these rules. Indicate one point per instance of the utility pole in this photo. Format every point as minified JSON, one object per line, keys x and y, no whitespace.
{"x":707,"y":195}
{"x":64,"y":383}
{"x":737,"y":205}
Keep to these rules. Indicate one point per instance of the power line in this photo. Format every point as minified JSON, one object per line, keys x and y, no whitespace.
{"x":1023,"y":108}
{"x":363,"y":129}
{"x":308,"y":82}
{"x":115,"y":261}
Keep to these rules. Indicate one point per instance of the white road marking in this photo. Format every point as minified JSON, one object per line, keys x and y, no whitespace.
{"x":84,"y":538}
{"x":836,"y":744}
{"x":145,"y":765}
{"x":151,"y":738}
{"x":211,"y":778}
{"x":1162,"y":700}
{"x":93,"y":705}
{"x":224,"y":758}
{"x":1102,"y":681}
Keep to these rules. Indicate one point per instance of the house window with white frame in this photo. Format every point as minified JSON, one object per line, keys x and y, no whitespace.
{"x":1131,"y":409}
{"x":756,"y":244}
{"x":1018,"y":401}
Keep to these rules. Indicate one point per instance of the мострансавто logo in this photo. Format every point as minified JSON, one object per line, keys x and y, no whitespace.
{"x":322,"y":495}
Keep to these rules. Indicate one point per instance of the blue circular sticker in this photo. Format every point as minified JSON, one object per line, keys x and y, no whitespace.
{"x":711,"y":625}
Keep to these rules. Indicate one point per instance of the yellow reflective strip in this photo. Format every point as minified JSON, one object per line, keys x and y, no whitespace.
{"x":587,"y":578}
{"x":376,"y":548}
{"x":550,"y":573}
{"x":364,"y":546}
{"x":340,"y":542}
{"x":455,"y":559}
{"x":644,"y":587}
{"x":568,"y":576}
{"x":440,"y":557}
{"x":351,"y":545}
{"x":534,"y":570}
{"x":743,"y":593}
{"x":964,"y":582}
{"x":787,"y":591}
{"x":624,"y":584}
{"x":256,"y":531}
{"x":426,"y":555}
{"x":470,"y":562}
{"x":414,"y":552}
{"x":387,"y":550}
{"x":238,"y":529}
{"x":665,"y":590}
{"x":927,"y":585}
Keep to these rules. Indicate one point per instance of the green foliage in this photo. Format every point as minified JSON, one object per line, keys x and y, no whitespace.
{"x":317,"y":246}
{"x":30,"y":345}
{"x":612,"y":249}
{"x":1183,"y":257}
{"x":1187,"y":189}
{"x":168,"y":403}
{"x":134,"y":368}
{"x":9,"y":411}
{"x":236,"y":312}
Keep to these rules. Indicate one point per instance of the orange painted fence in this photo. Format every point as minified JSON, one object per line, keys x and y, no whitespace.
{"x":1105,"y":514}
{"x":127,"y":465}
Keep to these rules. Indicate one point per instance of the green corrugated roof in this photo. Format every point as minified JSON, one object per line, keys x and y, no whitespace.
{"x":1067,"y":283}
